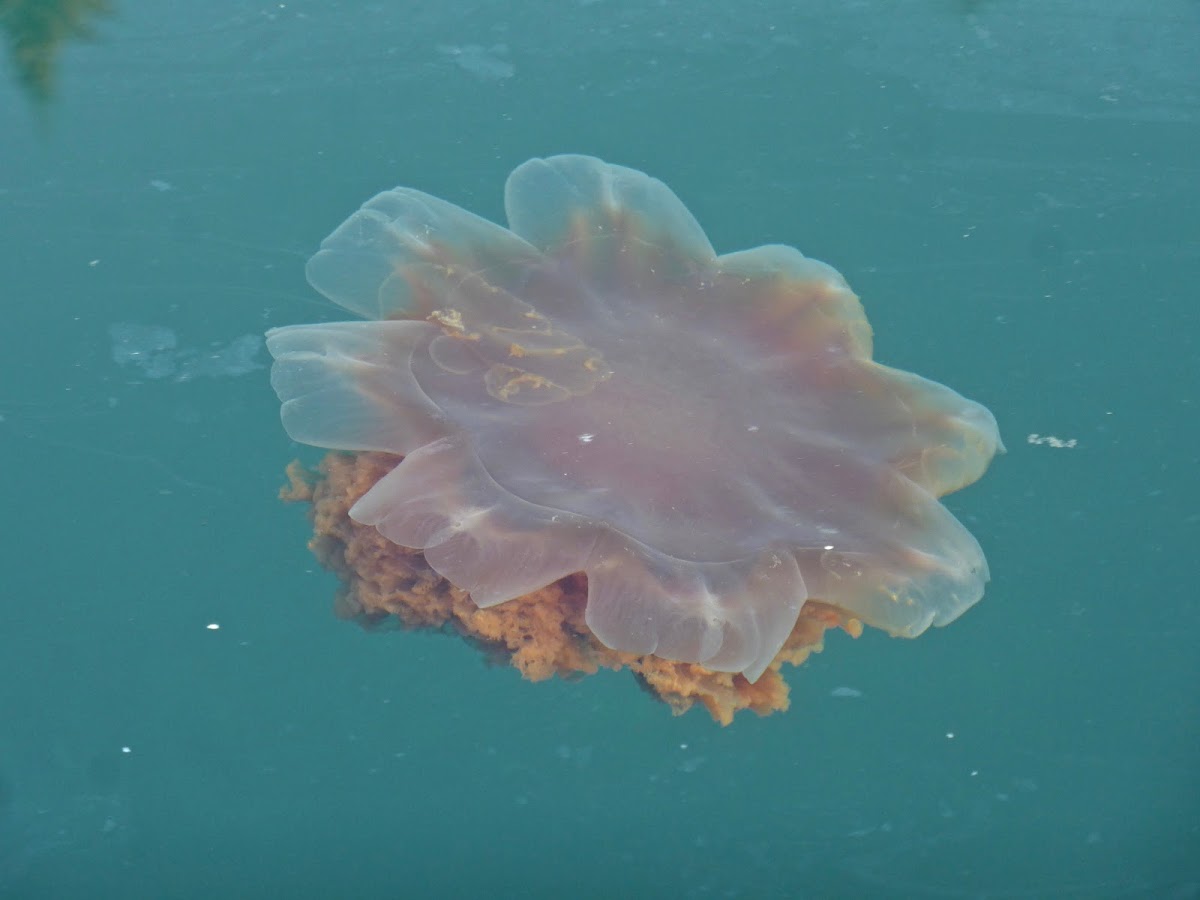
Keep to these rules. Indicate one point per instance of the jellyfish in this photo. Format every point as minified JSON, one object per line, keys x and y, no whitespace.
{"x":586,"y":440}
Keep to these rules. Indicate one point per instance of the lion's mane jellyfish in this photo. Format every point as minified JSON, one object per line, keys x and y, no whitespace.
{"x":586,"y":440}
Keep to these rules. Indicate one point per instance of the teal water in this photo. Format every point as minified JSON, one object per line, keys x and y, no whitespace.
{"x":1012,"y":188}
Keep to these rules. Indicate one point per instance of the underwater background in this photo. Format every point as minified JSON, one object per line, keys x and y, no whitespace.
{"x":1013,"y":188}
